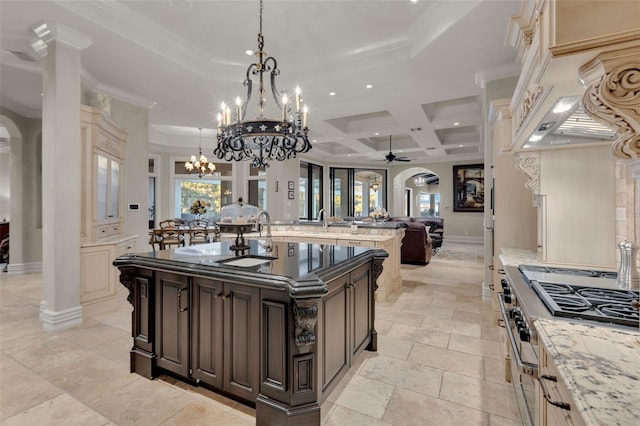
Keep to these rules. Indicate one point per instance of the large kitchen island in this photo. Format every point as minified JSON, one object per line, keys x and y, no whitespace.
{"x":275,"y":325}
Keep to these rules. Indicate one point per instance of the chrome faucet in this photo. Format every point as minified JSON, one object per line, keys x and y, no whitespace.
{"x":324,"y":218}
{"x":267,"y":245}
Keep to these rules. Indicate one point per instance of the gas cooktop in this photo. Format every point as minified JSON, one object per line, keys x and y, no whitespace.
{"x":589,"y":303}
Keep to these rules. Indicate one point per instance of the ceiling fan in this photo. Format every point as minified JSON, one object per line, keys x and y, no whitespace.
{"x":391,"y":157}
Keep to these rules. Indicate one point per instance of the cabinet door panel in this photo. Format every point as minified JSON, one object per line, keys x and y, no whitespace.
{"x":207,"y":331}
{"x":173,"y":323}
{"x":334,"y":349}
{"x":241,"y":320}
{"x":361,"y":282}
{"x":101,"y":188}
{"x":114,"y":190}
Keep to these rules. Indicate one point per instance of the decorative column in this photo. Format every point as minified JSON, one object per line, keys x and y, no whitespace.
{"x":612,"y":97}
{"x":62,"y":172}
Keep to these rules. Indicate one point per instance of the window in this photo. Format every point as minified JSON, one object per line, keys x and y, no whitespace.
{"x":309,"y":190}
{"x":258,"y":187}
{"x":429,"y":204}
{"x":357,"y":192}
{"x":215,"y":190}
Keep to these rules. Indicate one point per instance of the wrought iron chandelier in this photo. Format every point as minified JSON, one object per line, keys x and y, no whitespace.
{"x":420,"y":181}
{"x":261,"y":139}
{"x":200,"y":164}
{"x":375,"y":185}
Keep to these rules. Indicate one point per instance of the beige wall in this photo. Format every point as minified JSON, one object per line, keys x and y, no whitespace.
{"x":136,"y":177}
{"x":458,"y":225}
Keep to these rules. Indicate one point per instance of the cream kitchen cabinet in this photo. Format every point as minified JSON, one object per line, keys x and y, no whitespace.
{"x":101,"y":235}
{"x":99,"y":279}
{"x":103,"y":144}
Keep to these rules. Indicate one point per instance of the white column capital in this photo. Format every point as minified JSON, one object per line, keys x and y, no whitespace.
{"x":55,"y":31}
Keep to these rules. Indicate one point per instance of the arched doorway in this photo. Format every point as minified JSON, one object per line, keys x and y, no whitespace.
{"x":411,"y":198}
{"x":22,"y":148}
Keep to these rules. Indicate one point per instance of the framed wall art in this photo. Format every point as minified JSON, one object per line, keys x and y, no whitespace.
{"x":468,"y":188}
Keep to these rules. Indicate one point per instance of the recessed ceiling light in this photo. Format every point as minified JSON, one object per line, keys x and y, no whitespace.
{"x":248,"y":52}
{"x":460,"y":146}
{"x":414,"y":1}
{"x":315,"y":140}
{"x":332,"y":93}
{"x":456,"y":124}
{"x":377,"y":134}
{"x":369,"y":86}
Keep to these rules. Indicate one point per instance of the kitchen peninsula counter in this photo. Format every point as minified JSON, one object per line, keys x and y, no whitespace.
{"x":381,"y":235}
{"x":599,"y":366}
{"x":276,"y":328}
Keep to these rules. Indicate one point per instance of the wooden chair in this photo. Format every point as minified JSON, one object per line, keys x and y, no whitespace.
{"x":171,"y":234}
{"x":199,"y":232}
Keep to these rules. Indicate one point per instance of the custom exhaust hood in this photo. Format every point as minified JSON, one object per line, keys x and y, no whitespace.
{"x":566,"y":123}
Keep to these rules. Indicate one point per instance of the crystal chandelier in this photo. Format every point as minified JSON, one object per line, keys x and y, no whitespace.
{"x":420,"y":181}
{"x":201,"y":165}
{"x":261,"y":139}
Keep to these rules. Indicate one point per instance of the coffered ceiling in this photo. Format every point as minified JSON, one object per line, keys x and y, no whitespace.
{"x":426,"y":63}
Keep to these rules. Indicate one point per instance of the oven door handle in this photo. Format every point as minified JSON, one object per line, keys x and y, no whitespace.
{"x":524,"y":367}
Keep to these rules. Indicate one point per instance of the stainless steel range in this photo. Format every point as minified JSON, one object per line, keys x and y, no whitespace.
{"x":530,"y":292}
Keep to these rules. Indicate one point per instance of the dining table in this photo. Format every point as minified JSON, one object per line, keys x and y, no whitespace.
{"x":156,"y":235}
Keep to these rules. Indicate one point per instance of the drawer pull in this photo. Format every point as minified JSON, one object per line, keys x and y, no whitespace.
{"x":545,"y":392}
{"x":179,"y":302}
{"x":501,"y":271}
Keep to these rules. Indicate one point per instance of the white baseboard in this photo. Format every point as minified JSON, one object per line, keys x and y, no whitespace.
{"x":463,"y":239}
{"x":54,"y":321}
{"x":24,"y":268}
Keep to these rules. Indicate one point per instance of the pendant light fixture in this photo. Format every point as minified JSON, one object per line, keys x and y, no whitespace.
{"x":200,"y":164}
{"x":261,"y":139}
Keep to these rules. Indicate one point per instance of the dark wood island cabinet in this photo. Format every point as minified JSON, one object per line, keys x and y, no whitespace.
{"x":273,"y":328}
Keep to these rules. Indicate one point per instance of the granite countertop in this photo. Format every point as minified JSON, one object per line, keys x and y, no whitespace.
{"x":600,"y":367}
{"x":321,"y":235}
{"x":296,"y":267}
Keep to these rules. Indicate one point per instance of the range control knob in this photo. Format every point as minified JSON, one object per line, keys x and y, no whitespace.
{"x":507,"y":298}
{"x":513,"y":312}
{"x":504,"y":283}
{"x":525,"y":334}
{"x":506,"y":291}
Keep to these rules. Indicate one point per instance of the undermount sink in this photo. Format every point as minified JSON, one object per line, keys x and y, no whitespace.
{"x":247,"y":261}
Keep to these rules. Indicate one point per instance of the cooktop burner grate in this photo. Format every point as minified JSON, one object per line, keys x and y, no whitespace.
{"x":589,"y":303}
{"x":565,"y":271}
{"x":618,"y":311}
{"x":606,"y":294}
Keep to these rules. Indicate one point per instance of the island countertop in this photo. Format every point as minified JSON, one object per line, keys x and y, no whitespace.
{"x":301,"y":269}
{"x":600,"y":367}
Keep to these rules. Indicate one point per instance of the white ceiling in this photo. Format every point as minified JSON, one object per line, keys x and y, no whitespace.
{"x":427,"y":63}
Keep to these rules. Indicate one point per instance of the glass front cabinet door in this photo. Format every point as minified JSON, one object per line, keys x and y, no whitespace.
{"x":103,"y":155}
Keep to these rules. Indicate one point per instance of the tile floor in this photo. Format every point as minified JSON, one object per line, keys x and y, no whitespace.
{"x":438,"y":363}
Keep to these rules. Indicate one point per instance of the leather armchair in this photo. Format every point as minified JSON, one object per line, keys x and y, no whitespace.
{"x":416,"y":245}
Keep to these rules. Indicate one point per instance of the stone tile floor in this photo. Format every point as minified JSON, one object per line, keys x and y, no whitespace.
{"x":438,"y":363}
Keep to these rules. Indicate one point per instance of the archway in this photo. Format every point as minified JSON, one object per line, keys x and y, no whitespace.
{"x":11,"y":186}
{"x":401,"y":206}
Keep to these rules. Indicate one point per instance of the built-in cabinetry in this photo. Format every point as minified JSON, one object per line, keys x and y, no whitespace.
{"x":553,"y":396}
{"x":101,"y":234}
{"x":103,"y":143}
